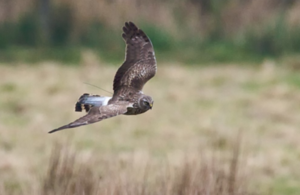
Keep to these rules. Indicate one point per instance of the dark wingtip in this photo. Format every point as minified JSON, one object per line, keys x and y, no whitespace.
{"x":54,"y":130}
{"x":127,"y":24}
{"x":87,"y":107}
{"x":130,"y":25}
{"x":78,"y":107}
{"x":130,"y":30}
{"x":60,"y":128}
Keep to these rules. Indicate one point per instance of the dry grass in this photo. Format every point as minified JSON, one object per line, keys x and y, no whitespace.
{"x":66,"y":175}
{"x":183,"y":146}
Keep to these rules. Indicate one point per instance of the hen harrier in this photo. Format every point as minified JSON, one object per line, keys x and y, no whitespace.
{"x":139,"y":67}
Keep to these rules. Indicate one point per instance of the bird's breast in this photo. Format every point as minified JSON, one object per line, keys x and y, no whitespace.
{"x":134,"y":111}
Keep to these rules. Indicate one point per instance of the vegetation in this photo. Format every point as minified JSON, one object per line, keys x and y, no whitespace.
{"x":209,"y":31}
{"x":226,"y":130}
{"x":186,"y":144}
{"x":67,"y":175}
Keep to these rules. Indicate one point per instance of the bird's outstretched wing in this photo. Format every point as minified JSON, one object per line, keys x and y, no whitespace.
{"x":140,"y":62}
{"x":97,"y":114}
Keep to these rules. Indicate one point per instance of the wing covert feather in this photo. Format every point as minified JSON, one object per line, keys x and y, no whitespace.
{"x":140,"y":63}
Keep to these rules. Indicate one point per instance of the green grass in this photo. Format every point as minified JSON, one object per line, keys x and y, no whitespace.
{"x":68,"y":55}
{"x":286,"y":186}
{"x":293,"y":79}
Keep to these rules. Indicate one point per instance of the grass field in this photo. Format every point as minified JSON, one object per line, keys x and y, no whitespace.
{"x":188,"y":143}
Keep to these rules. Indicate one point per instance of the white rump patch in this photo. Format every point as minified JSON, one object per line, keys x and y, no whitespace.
{"x":96,"y":100}
{"x":105,"y":100}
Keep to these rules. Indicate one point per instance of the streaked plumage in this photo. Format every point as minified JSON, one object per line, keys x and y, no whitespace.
{"x":128,"y":99}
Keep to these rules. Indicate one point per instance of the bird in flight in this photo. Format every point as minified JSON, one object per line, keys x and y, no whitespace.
{"x":128,"y":99}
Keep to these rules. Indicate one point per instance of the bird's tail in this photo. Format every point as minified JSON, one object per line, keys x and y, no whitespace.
{"x":87,"y":101}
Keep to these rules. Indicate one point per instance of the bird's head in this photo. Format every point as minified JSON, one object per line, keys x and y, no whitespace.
{"x":146,"y":102}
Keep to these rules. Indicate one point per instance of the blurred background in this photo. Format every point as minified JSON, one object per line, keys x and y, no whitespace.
{"x":227,"y":93}
{"x":208,"y":30}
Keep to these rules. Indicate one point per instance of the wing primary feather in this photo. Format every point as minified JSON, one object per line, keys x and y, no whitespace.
{"x":97,"y":114}
{"x":140,"y":63}
{"x":68,"y":126}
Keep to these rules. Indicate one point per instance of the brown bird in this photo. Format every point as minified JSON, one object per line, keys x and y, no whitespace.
{"x":139,"y":67}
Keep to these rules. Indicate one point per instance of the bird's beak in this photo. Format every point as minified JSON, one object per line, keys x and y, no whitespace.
{"x":151,"y":105}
